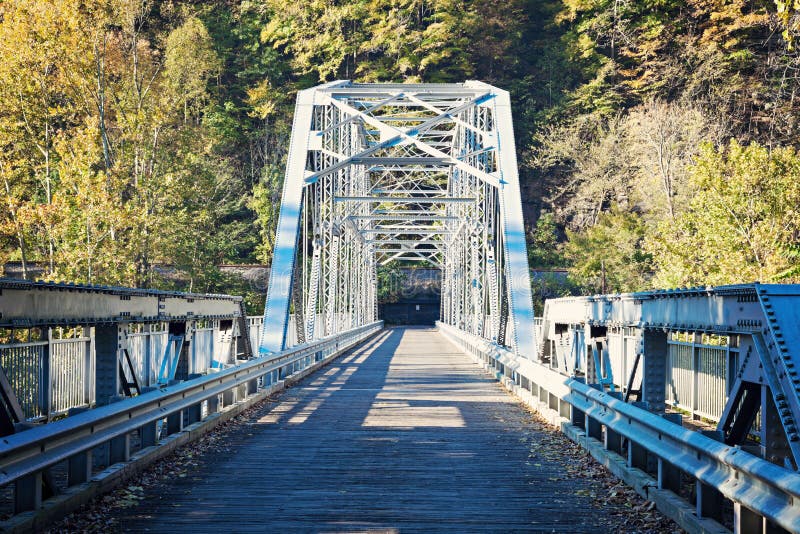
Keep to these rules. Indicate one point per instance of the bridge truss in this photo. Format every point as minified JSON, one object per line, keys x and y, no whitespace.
{"x":383,"y":172}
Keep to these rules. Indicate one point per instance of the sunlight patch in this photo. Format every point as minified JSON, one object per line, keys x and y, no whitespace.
{"x":402,"y":415}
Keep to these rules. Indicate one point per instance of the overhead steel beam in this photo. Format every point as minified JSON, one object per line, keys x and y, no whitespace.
{"x":442,"y":218}
{"x":412,"y":200}
{"x":396,"y":135}
{"x":406,"y":230}
{"x":404,"y":242}
{"x":401,"y":161}
{"x":382,"y":191}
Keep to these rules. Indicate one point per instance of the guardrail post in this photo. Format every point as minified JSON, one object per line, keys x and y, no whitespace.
{"x":577,"y":417}
{"x":746,"y":521}
{"x":229,"y":397}
{"x":119,"y":448}
{"x":148,"y":434}
{"x":212,"y":404}
{"x":669,"y":476}
{"x":252,"y":386}
{"x":593,"y":427}
{"x":194,"y":412}
{"x":654,"y":375}
{"x":28,"y":493}
{"x":79,"y":468}
{"x":102,"y":453}
{"x":175,"y":422}
{"x":613,"y":440}
{"x":637,"y":455}
{"x":709,"y":500}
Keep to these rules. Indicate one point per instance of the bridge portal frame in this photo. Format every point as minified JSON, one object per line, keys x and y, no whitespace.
{"x":440,"y":158}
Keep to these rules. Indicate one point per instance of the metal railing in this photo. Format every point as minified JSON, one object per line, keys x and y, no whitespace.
{"x":697,"y":377}
{"x":26,"y":455}
{"x":622,"y":354}
{"x":23,"y":364}
{"x":146,"y":348}
{"x":538,"y":323}
{"x":50,"y":376}
{"x":256,"y":322}
{"x":203,"y":350}
{"x":71,"y":374}
{"x":750,"y":482}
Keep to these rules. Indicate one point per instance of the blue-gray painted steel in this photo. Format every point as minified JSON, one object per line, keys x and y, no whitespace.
{"x":761,"y":486}
{"x":39,"y":448}
{"x":349,"y":157}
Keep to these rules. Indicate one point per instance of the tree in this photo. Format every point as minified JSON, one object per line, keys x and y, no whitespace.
{"x":609,"y":255}
{"x":266,"y":203}
{"x":33,"y":108}
{"x":741,"y":224}
{"x":662,"y":141}
{"x":390,"y":280}
{"x":590,"y":157}
{"x":190,"y":62}
{"x":89,"y":214}
{"x":383,"y":40}
{"x":543,"y":243}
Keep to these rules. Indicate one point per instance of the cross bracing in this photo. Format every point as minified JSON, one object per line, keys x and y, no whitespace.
{"x":400,"y":172}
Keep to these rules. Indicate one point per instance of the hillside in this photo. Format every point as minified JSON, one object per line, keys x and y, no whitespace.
{"x":657,"y":139}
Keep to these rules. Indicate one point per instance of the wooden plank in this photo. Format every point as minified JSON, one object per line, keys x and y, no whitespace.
{"x":404,"y":433}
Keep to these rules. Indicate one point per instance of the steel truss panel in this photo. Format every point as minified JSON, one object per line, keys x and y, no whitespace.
{"x":441,"y":158}
{"x":762,"y":320}
{"x":276,"y":310}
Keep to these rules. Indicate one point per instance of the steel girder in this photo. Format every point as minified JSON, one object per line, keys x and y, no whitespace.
{"x":760,"y":325}
{"x":437,"y":158}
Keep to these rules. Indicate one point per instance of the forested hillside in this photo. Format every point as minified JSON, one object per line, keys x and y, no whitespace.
{"x":657,"y":139}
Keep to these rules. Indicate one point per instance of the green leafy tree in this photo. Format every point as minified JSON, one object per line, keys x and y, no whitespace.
{"x":543,"y":248}
{"x":266,"y":203}
{"x":390,"y":280}
{"x":609,"y":255}
{"x":741,"y":224}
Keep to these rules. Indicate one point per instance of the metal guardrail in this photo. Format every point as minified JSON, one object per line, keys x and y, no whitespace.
{"x":25,"y":456}
{"x":749,"y":481}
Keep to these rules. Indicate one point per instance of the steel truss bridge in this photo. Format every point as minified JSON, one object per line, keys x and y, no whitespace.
{"x":382,"y":173}
{"x":690,"y":395}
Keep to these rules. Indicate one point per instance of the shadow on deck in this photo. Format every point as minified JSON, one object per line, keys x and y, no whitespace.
{"x":402,"y":433}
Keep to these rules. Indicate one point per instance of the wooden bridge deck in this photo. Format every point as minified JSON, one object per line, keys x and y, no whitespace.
{"x":403,"y":434}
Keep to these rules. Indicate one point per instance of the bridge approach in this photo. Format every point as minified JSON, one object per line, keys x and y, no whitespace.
{"x":404,"y":433}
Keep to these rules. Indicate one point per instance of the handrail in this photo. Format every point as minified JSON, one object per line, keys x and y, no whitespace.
{"x":42,"y":447}
{"x":761,"y":486}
